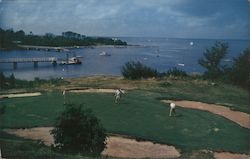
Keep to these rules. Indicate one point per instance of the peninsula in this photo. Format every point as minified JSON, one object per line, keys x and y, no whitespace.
{"x":12,"y":40}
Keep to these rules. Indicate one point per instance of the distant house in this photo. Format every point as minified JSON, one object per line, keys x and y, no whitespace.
{"x":16,"y":42}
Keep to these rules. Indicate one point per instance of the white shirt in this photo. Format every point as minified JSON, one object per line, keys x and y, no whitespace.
{"x":172,"y":105}
{"x":117,"y":92}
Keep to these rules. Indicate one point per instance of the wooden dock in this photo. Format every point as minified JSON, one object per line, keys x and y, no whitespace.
{"x":52,"y":60}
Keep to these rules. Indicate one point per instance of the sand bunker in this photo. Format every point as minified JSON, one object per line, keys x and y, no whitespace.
{"x":39,"y":133}
{"x":116,"y":146}
{"x":20,"y":95}
{"x":92,"y":90}
{"x":243,"y":119}
{"x":130,"y":148}
{"x":228,"y":155}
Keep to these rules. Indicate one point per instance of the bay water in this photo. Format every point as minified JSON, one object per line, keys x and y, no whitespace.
{"x":159,"y":53}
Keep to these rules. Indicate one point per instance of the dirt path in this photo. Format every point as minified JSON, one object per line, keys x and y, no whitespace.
{"x":228,"y":155}
{"x":92,"y":90}
{"x":241,"y":118}
{"x":116,"y":146}
{"x":20,"y":95}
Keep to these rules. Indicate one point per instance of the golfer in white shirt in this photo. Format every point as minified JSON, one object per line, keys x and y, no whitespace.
{"x":172,"y":109}
{"x":118,"y":94}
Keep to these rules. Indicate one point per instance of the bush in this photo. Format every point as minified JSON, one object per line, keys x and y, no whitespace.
{"x":2,"y":109}
{"x":2,"y":80}
{"x":176,"y":72}
{"x":136,"y":70}
{"x":77,"y":130}
{"x":240,"y":71}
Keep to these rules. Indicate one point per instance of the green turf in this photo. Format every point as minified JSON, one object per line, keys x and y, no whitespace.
{"x":26,"y":149}
{"x":139,"y":114}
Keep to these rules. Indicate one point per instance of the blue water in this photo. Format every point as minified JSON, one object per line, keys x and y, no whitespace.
{"x":158,"y":53}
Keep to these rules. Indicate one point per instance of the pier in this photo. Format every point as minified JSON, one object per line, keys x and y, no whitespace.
{"x":52,"y":60}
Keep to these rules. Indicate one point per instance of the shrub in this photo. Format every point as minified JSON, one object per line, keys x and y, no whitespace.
{"x":77,"y":130}
{"x":176,"y":72}
{"x":240,"y":71}
{"x":2,"y":109}
{"x":136,"y":70}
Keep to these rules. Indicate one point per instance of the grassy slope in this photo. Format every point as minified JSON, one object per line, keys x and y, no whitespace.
{"x":176,"y":88}
{"x":140,"y":114}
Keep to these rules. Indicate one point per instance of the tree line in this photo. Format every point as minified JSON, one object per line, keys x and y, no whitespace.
{"x":9,"y":39}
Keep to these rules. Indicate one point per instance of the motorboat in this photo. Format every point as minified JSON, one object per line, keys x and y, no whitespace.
{"x":71,"y":61}
{"x":103,"y":53}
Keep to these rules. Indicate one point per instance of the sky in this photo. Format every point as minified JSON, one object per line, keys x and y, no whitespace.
{"x":217,"y":19}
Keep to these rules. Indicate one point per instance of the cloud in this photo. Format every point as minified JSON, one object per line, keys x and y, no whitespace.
{"x":182,"y":18}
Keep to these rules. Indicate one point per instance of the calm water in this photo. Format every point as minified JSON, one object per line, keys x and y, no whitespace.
{"x":159,"y":53}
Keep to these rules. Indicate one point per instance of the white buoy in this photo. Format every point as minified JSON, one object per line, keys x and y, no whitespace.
{"x":191,"y":43}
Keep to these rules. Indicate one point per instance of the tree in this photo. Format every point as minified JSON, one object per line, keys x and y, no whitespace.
{"x":212,"y":60}
{"x":77,"y":130}
{"x":12,"y":80}
{"x":2,"y":80}
{"x":240,"y":72}
{"x":20,"y":34}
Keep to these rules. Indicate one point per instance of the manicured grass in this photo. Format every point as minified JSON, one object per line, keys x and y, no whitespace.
{"x":183,"y":88}
{"x":198,"y":90}
{"x":139,"y":114}
{"x":25,"y":149}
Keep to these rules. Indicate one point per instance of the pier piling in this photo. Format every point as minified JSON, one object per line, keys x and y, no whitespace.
{"x":35,"y":64}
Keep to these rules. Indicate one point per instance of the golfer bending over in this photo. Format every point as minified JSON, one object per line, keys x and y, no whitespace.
{"x":118,"y":95}
{"x":172,"y":109}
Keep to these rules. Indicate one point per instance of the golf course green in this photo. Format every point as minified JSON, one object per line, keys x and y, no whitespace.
{"x":139,"y":114}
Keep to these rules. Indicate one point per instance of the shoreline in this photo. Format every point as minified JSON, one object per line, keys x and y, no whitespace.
{"x":45,"y":48}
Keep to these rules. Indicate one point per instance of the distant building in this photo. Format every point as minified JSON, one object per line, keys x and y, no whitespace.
{"x":17,"y":42}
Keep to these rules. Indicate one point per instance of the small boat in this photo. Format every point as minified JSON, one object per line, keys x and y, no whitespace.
{"x":181,"y":64}
{"x":103,"y":53}
{"x":228,"y":60}
{"x":71,"y":61}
